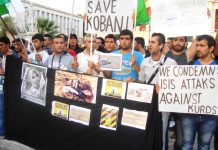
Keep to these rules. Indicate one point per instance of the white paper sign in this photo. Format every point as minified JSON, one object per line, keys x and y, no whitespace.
{"x":109,"y":16}
{"x":133,"y":118}
{"x":189,"y":89}
{"x":180,"y":17}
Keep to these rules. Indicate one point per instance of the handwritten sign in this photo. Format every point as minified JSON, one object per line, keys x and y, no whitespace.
{"x":180,"y":18}
{"x":108,"y":16}
{"x":189,"y":89}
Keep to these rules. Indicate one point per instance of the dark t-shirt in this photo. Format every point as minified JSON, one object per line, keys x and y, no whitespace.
{"x":180,"y":59}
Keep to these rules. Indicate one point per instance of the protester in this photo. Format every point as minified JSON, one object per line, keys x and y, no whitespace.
{"x":149,"y":70}
{"x":169,"y":43}
{"x":6,"y":51}
{"x":48,"y":43}
{"x":86,"y":61}
{"x":131,"y":61}
{"x":60,"y":59}
{"x":21,"y":50}
{"x":182,"y":57}
{"x":100,"y":44}
{"x":38,"y":56}
{"x":203,"y":125}
{"x":110,"y":43}
{"x":66,"y":49}
{"x":74,"y":46}
{"x":140,"y":47}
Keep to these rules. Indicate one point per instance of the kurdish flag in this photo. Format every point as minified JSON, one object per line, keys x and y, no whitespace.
{"x":2,"y":2}
{"x":3,"y":10}
{"x":142,"y":16}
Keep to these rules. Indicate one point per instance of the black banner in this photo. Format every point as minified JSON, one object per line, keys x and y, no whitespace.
{"x":34,"y":125}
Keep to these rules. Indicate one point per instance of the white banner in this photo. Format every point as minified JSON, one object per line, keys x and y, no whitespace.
{"x":189,"y":89}
{"x":180,"y":17}
{"x":109,"y":16}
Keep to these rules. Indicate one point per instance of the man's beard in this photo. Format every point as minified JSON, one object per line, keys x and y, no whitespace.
{"x":178,"y":48}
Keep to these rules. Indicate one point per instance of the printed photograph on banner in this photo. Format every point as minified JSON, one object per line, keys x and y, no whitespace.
{"x":60,"y":110}
{"x":109,"y":117}
{"x":79,"y":115}
{"x":76,"y":86}
{"x":34,"y":83}
{"x":133,"y":118}
{"x":113,"y":88}
{"x":111,"y":61}
{"x":140,"y":92}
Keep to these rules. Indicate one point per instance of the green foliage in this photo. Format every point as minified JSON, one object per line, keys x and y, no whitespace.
{"x":44,"y":26}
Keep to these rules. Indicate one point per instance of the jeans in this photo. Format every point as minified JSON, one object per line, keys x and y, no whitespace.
{"x":2,"y":128}
{"x":204,"y":125}
{"x":178,"y":140}
{"x":165,"y":121}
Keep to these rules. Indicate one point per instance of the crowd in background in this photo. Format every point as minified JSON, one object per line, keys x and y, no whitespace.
{"x":139,"y":65}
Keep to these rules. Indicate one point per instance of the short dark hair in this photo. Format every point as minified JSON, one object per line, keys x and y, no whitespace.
{"x":170,"y":38}
{"x":185,"y":37}
{"x":48,"y":36}
{"x":21,"y":40}
{"x":102,"y":40}
{"x":126,"y":32}
{"x":161,"y":38}
{"x":210,"y":40}
{"x":5,"y":39}
{"x":38,"y":36}
{"x":73,"y":36}
{"x":141,"y":41}
{"x":111,"y":36}
{"x":65,"y":37}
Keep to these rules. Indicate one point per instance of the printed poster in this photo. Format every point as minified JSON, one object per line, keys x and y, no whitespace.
{"x":109,"y":117}
{"x":60,"y":110}
{"x":113,"y":88}
{"x":133,"y":118}
{"x":75,"y":86}
{"x":34,"y":83}
{"x":140,"y":92}
{"x":111,"y":61}
{"x":79,"y":115}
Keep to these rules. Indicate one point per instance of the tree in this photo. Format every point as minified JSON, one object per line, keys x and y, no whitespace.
{"x":44,"y":26}
{"x":10,"y":24}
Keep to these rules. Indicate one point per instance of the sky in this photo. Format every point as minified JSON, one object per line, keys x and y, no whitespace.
{"x":64,"y":5}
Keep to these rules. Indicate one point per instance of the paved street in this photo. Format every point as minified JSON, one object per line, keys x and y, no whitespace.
{"x":12,"y":145}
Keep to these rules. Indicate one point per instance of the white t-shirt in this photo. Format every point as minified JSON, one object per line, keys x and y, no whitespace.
{"x":149,"y":66}
{"x":43,"y":54}
{"x":82,"y":59}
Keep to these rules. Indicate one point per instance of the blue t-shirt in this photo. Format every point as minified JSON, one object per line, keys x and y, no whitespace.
{"x":197,"y":62}
{"x":127,"y":69}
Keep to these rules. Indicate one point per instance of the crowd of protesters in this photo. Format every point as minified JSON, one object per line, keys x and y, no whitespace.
{"x":139,"y":65}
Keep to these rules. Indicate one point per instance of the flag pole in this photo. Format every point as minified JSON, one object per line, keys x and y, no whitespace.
{"x":91,"y":48}
{"x":7,"y":27}
{"x":71,"y":18}
{"x":134,"y":29}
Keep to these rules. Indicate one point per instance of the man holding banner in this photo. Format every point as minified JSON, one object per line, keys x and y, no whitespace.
{"x":204,"y":125}
{"x":149,"y":69}
{"x":182,"y":56}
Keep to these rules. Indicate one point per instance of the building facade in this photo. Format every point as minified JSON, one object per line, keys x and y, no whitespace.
{"x":67,"y":23}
